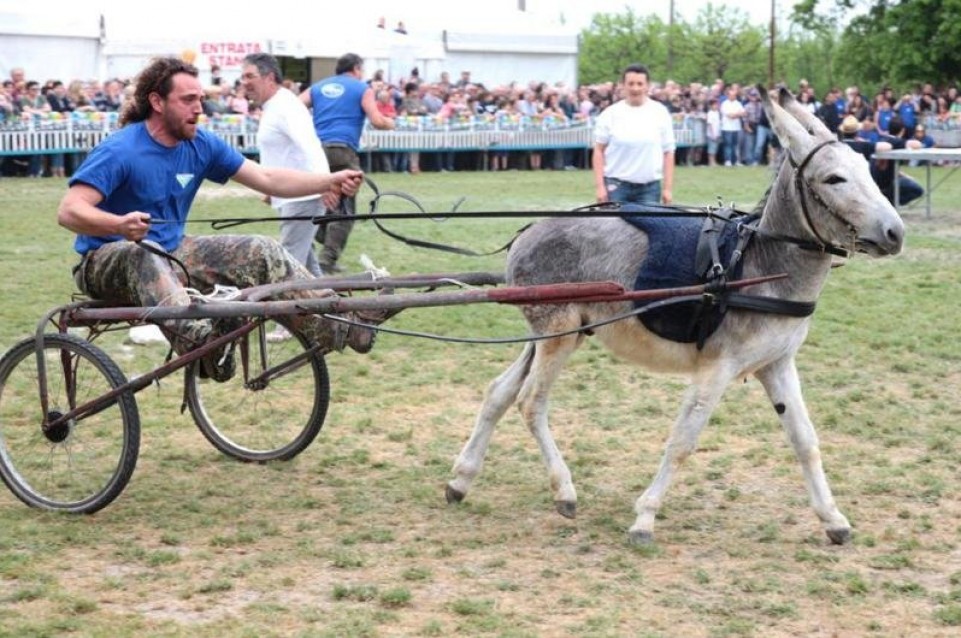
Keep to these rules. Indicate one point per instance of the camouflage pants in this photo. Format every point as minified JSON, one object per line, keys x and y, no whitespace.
{"x":125,"y":273}
{"x":334,"y":236}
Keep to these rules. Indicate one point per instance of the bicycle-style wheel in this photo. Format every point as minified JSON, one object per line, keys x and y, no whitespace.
{"x":273,"y":409}
{"x":83,"y":464}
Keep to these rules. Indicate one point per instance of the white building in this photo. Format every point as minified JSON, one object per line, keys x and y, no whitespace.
{"x":497,"y":43}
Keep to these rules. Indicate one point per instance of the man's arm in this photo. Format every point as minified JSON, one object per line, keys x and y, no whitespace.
{"x":305,"y":98}
{"x":667,"y":185}
{"x":597,"y":161}
{"x":287,"y":182}
{"x":378,"y":120}
{"x":78,"y":212}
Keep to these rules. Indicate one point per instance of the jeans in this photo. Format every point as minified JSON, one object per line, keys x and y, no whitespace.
{"x":730,"y":146}
{"x":748,"y":141}
{"x":760,"y":144}
{"x":630,"y":193}
{"x":908,"y":190}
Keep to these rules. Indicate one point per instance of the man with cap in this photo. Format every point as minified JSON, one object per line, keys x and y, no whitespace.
{"x":752,"y":118}
{"x":883,"y":171}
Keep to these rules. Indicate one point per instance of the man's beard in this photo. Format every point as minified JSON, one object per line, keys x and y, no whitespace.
{"x":180,"y":130}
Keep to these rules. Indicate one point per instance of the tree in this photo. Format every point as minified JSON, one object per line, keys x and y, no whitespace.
{"x":727,"y":46}
{"x":893,"y":41}
{"x":614,"y":41}
{"x":721,"y":42}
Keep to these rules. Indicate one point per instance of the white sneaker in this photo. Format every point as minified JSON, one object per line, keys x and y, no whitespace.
{"x":279,"y":334}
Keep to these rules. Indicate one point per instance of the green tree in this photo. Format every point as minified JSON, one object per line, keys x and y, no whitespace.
{"x":892,"y":41}
{"x":720,"y":43}
{"x":727,"y":46}
{"x":614,"y":41}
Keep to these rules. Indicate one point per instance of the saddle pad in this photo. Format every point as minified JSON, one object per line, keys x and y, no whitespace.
{"x":670,"y":263}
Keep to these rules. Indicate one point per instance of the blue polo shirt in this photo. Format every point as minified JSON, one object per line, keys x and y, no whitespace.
{"x":134,"y":172}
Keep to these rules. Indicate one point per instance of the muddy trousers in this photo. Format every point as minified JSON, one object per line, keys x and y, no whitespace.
{"x":334,"y":236}
{"x":126,"y":273}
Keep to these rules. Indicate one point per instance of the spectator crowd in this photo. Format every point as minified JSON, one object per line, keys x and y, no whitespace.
{"x":736,"y":129}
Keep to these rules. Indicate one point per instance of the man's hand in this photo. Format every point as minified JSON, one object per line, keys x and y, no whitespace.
{"x":331,"y":199}
{"x":601,"y":194}
{"x":134,"y":226}
{"x":347,"y":182}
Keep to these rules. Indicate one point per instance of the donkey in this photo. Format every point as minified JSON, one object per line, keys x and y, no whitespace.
{"x":822,"y":200}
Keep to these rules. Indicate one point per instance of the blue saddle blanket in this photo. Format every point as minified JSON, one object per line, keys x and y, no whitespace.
{"x":671,"y":263}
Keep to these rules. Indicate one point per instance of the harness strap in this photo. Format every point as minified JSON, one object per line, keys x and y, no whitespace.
{"x":771,"y":305}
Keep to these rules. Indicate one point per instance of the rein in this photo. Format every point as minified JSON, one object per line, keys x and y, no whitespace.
{"x":604,"y":209}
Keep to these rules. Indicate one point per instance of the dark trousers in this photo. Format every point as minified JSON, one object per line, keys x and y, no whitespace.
{"x":334,"y":236}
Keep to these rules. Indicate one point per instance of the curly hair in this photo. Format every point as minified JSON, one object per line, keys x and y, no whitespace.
{"x":157,"y":78}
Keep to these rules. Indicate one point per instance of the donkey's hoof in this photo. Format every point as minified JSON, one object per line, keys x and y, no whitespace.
{"x":453,"y":496}
{"x":640,"y":537}
{"x":567,"y":509}
{"x":839,"y":535}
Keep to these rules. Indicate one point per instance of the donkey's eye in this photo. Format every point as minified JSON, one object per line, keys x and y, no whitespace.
{"x":835,"y":179}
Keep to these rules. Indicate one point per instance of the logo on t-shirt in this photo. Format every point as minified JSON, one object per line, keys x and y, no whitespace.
{"x":184,"y":178}
{"x":332,"y":91}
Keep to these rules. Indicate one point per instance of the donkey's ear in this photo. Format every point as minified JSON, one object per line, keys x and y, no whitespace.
{"x":807,"y":119}
{"x":784,"y":96}
{"x":793,"y":135}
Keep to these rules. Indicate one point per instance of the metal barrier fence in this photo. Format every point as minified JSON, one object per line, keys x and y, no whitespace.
{"x":80,"y":132}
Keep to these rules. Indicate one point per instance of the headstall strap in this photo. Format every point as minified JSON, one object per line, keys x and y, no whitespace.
{"x":799,"y":185}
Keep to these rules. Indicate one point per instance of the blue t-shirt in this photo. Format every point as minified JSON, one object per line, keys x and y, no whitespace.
{"x":338,"y":114}
{"x":134,"y":172}
{"x":908,"y":115}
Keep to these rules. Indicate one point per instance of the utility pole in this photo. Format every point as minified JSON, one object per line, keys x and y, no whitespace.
{"x":770,"y":53}
{"x":670,"y":40}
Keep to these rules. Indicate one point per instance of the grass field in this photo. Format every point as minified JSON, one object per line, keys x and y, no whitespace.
{"x":354,"y":538}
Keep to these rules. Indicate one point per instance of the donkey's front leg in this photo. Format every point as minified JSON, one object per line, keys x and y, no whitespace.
{"x":699,"y":402}
{"x":780,"y":380}
{"x":501,"y":394}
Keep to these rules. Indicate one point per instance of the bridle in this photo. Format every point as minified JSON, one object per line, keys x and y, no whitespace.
{"x":803,"y":187}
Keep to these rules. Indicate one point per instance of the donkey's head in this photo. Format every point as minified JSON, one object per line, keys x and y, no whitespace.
{"x":837,"y":198}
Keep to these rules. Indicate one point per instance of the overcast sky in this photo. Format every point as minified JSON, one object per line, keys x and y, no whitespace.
{"x":578,"y":12}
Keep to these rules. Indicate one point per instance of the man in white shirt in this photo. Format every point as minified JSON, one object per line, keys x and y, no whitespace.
{"x":286,"y":138}
{"x":732,"y":113}
{"x":634,"y":146}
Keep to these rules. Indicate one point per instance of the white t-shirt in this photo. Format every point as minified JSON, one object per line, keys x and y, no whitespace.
{"x":730,"y":110}
{"x":713,"y":124}
{"x":287,"y":139}
{"x":637,"y":137}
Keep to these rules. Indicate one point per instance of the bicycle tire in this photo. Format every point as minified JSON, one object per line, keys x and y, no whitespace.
{"x":84,"y":465}
{"x":260,"y":424}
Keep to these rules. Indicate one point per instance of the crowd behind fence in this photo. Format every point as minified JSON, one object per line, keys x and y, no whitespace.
{"x":79,"y":132}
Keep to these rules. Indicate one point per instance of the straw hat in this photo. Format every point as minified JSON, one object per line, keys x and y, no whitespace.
{"x":850,"y":124}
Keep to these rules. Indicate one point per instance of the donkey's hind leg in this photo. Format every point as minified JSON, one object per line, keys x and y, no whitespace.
{"x":500,"y":395}
{"x":549,"y":359}
{"x":780,"y":380}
